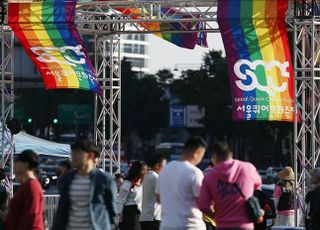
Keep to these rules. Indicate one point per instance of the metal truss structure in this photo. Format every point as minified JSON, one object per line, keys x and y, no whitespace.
{"x":108,"y":106}
{"x":307,"y":91}
{"x":104,"y":18}
{"x":7,"y":94}
{"x":103,"y":21}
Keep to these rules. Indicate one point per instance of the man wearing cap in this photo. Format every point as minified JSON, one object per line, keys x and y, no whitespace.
{"x":87,"y":195}
{"x":284,"y":198}
{"x":313,"y":201}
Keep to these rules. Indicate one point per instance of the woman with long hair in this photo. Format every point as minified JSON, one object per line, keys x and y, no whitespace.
{"x":129,"y":200}
{"x":284,"y":198}
{"x":26,"y":206}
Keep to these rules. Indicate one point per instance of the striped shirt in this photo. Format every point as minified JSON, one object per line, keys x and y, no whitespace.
{"x":79,"y":213}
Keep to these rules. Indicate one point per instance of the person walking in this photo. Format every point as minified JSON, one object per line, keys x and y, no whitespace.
{"x":313,"y":201}
{"x":87,"y":195}
{"x":129,"y":200}
{"x":227,"y":187}
{"x":284,"y":198}
{"x":151,"y":210}
{"x":178,"y":188}
{"x":26,"y":206}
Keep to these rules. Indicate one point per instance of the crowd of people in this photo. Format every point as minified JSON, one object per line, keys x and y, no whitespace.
{"x":155,"y":195}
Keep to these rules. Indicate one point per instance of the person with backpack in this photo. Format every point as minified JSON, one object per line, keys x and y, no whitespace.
{"x":284,"y":198}
{"x":229,"y":187}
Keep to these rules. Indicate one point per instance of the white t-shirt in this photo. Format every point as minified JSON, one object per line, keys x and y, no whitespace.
{"x":179,"y":186}
{"x":128,"y":195}
{"x":151,"y":210}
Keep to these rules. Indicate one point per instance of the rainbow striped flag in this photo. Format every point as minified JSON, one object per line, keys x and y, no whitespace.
{"x":48,"y":34}
{"x":183,"y":40}
{"x":259,"y":60}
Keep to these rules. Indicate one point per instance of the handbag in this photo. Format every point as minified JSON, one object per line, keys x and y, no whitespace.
{"x":252,"y":206}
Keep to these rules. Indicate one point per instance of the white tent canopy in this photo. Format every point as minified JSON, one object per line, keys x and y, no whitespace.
{"x":24,"y":141}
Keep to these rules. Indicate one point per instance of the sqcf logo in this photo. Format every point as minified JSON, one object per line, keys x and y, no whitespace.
{"x":248,"y":81}
{"x":50,"y":54}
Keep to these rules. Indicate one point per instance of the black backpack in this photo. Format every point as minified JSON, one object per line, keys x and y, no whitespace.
{"x":286,"y":201}
{"x":266,"y":204}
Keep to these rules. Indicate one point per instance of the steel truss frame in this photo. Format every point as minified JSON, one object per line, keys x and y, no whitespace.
{"x":102,"y":20}
{"x":307,"y":81}
{"x":306,"y":25}
{"x":106,"y":24}
{"x":108,"y":67}
{"x":7,"y":94}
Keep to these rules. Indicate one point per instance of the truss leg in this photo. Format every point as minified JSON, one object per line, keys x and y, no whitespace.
{"x":108,"y":105}
{"x":307,"y":98}
{"x":7,"y":95}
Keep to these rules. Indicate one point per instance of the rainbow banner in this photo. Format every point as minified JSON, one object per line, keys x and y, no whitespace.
{"x":259,"y":60}
{"x":48,"y":33}
{"x":183,"y":40}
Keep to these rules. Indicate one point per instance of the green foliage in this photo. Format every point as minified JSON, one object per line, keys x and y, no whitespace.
{"x":208,"y":88}
{"x":144,"y":109}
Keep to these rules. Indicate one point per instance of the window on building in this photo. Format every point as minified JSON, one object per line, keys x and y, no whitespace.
{"x":129,"y":36}
{"x":142,"y":49}
{"x":136,"y":48}
{"x":127,"y":48}
{"x":142,"y":37}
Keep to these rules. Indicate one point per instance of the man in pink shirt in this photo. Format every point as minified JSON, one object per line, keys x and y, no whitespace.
{"x":219,"y":196}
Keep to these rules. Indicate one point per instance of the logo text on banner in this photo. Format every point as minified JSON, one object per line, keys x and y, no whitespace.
{"x":46,"y":54}
{"x":48,"y":33}
{"x":248,"y":75}
{"x":259,"y":61}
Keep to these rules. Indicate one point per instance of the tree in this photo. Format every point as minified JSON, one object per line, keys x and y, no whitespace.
{"x":144,"y":111}
{"x":208,"y":88}
{"x":164,"y":77}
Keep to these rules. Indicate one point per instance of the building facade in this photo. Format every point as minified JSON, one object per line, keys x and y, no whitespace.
{"x":135,"y":48}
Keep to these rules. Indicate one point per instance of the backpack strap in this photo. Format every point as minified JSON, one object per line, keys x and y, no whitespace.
{"x":239,"y":190}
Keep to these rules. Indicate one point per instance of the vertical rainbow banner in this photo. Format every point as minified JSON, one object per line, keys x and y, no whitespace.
{"x":48,"y":33}
{"x":259,"y":60}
